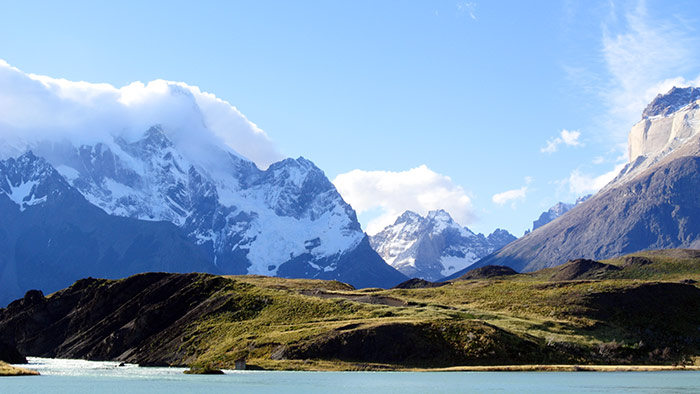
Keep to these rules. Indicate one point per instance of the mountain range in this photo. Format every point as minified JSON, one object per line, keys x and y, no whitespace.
{"x":652,"y":204}
{"x":119,"y":207}
{"x":433,"y":246}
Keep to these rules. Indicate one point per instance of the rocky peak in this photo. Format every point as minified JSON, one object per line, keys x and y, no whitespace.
{"x":30,"y":180}
{"x":155,"y":137}
{"x":440,"y":216}
{"x":669,"y":123}
{"x":27,"y":167}
{"x":153,"y":142}
{"x":675,"y":99}
{"x":408,"y":217}
{"x":500,"y":238}
{"x":557,"y":210}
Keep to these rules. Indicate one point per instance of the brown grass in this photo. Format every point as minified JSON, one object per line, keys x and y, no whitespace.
{"x":10,"y":370}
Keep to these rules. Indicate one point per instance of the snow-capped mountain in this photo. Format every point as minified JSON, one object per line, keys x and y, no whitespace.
{"x":166,"y":152}
{"x":555,"y":211}
{"x":434,"y":246}
{"x":248,"y":220}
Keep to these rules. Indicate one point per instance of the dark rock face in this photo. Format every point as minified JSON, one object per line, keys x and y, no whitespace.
{"x":11,"y":355}
{"x":140,"y":319}
{"x":675,"y":99}
{"x":489,"y":271}
{"x":656,"y":210}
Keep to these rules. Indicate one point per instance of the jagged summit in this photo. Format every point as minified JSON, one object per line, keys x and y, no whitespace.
{"x":672,"y":101}
{"x":433,"y":246}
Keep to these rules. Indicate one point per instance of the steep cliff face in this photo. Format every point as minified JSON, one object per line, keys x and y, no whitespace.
{"x":668,"y":123}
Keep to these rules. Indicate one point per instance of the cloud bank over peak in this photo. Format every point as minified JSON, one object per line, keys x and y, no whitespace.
{"x":38,"y":108}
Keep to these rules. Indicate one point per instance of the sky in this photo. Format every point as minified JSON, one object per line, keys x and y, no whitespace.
{"x":491,"y":110}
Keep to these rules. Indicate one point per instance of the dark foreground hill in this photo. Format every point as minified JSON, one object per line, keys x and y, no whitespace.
{"x":645,"y":310}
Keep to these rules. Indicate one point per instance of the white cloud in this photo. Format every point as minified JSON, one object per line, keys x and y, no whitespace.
{"x":512,"y":196}
{"x":566,"y":137}
{"x":580,"y":183}
{"x":419,"y":189}
{"x":39,"y":108}
{"x":509,"y":196}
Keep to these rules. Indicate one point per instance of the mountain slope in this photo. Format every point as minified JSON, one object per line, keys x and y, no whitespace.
{"x":434,"y":246}
{"x":652,"y":204}
{"x":51,"y":236}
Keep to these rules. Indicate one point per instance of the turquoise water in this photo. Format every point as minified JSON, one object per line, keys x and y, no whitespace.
{"x":84,"y":377}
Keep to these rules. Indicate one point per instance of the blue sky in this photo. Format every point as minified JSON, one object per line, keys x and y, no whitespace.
{"x":494,"y":110}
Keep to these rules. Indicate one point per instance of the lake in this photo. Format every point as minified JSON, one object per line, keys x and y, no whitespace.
{"x":77,"y":376}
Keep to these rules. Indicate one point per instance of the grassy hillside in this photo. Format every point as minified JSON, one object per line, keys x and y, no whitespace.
{"x":639,"y":309}
{"x":647,"y":311}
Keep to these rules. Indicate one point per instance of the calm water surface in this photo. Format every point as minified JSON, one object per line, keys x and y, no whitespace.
{"x":75,"y":376}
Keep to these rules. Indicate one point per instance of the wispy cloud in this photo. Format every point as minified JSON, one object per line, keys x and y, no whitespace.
{"x":644,"y":55}
{"x":511,"y":196}
{"x":419,"y":189}
{"x":566,"y":137}
{"x":468,"y":8}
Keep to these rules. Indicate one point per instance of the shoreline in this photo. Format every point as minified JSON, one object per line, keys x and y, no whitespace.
{"x":563,"y":368}
{"x":11,"y":370}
